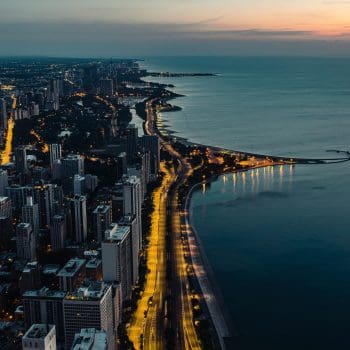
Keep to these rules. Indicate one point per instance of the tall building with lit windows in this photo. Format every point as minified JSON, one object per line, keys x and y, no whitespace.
{"x":55,"y":153}
{"x":25,"y":241}
{"x":79,"y":218}
{"x":91,"y":306}
{"x":3,"y":114}
{"x":102,"y":218}
{"x":30,"y":214}
{"x":21,"y":159}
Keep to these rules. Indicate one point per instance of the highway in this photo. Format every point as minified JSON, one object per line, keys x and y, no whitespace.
{"x":183,"y":326}
{"x":5,"y":155}
{"x":146,"y":327}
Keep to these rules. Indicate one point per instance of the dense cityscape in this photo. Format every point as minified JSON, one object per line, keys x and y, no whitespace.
{"x":95,"y":240}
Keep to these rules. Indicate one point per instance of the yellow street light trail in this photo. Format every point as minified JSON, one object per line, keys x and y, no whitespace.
{"x":6,"y":153}
{"x":155,"y":279}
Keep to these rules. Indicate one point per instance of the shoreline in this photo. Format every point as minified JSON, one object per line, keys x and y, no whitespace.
{"x":209,"y":287}
{"x":215,"y":300}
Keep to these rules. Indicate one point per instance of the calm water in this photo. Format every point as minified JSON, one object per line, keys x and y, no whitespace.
{"x":278,"y":238}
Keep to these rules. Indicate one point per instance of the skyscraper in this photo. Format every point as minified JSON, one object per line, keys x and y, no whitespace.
{"x":102,"y":218}
{"x":131,"y":141}
{"x":44,"y":196}
{"x":130,"y":221}
{"x":5,"y":222}
{"x":30,"y":214}
{"x":91,"y":306}
{"x":3,"y":113}
{"x":40,"y":337}
{"x":4,"y":182}
{"x":121,"y":165}
{"x":21,"y":159}
{"x":25,"y":241}
{"x":151,"y":143}
{"x":78,"y":185}
{"x":116,"y":258}
{"x":72,"y":274}
{"x":58,"y":232}
{"x":132,"y":203}
{"x":5,"y":207}
{"x":79,"y":218}
{"x":18,"y":195}
{"x":55,"y":153}
{"x":72,"y":164}
{"x":44,"y":306}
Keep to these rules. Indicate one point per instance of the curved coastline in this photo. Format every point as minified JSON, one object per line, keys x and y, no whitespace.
{"x":212,"y":294}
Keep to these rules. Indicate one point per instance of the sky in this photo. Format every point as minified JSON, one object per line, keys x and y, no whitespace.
{"x":117,"y":28}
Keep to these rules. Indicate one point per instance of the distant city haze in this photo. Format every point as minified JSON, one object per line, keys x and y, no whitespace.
{"x":99,"y":28}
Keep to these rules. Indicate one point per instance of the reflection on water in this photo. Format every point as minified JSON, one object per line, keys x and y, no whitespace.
{"x":279,"y":244}
{"x":257,"y":180}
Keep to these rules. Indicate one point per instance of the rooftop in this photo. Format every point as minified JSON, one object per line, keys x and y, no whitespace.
{"x":90,"y":338}
{"x":38,"y":331}
{"x":93,"y":263}
{"x":51,"y":269}
{"x":101,"y":209}
{"x":92,"y":291}
{"x":71,"y":267}
{"x":116,"y":233}
{"x":126,"y":220}
{"x":44,"y":293}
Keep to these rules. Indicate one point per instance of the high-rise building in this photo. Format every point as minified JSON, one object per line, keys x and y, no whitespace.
{"x":78,"y":185}
{"x":90,"y":339}
{"x":4,"y":181}
{"x":91,"y":182}
{"x":131,"y":141}
{"x":91,"y":306}
{"x":40,"y":337}
{"x":5,"y":222}
{"x":58,"y":232}
{"x":25,"y":241}
{"x":5,"y":207}
{"x":121,"y":165}
{"x":117,"y":202}
{"x":130,"y":221}
{"x":71,"y":165}
{"x":132,"y":203}
{"x":44,"y":196}
{"x":31,"y":277}
{"x":18,"y":195}
{"x":79,"y":218}
{"x":44,"y":306}
{"x":30,"y":214}
{"x":116,"y":258}
{"x":3,"y":114}
{"x":72,"y":275}
{"x":21,"y":159}
{"x":56,"y":170}
{"x":140,"y":171}
{"x":102,"y":219}
{"x":55,"y":153}
{"x":151,"y":144}
{"x":54,"y":93}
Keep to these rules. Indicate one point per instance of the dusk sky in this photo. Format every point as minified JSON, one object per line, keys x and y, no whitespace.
{"x":156,"y":27}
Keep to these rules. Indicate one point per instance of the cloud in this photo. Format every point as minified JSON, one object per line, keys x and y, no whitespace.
{"x":101,"y":39}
